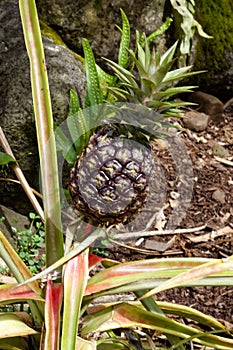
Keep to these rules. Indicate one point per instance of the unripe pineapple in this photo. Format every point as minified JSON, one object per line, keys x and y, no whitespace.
{"x":110,"y":180}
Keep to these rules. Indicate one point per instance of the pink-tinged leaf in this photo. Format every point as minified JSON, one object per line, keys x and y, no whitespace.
{"x":215,"y":266}
{"x":75,"y":281}
{"x":11,"y":326}
{"x":168,"y":308}
{"x":94,"y":260}
{"x":129,"y":272}
{"x":129,"y":316}
{"x":22,"y":271}
{"x":12,"y":293}
{"x":53,"y":302}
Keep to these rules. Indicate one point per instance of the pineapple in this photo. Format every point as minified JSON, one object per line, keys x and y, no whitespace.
{"x":110,"y":180}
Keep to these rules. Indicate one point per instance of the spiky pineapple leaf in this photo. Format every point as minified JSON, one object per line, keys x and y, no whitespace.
{"x":74,"y":102}
{"x":123,"y":56}
{"x":123,"y":74}
{"x":175,"y":90}
{"x":79,"y":130}
{"x":168,"y":55}
{"x":76,"y":121}
{"x":159,"y":31}
{"x":64,"y":145}
{"x":178,"y":74}
{"x":140,"y":61}
{"x":105,"y":77}
{"x":95,"y":95}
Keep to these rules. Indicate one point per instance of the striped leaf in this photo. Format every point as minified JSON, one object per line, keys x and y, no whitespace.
{"x":93,"y":85}
{"x":123,"y":56}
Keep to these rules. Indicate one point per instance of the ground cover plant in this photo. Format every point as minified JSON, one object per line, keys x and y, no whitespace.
{"x":61,"y":298}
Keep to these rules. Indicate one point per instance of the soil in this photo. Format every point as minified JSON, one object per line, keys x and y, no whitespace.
{"x":210,"y":207}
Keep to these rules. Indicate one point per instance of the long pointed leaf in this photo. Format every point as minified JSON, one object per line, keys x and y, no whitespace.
{"x":93,"y":86}
{"x":75,"y":280}
{"x":123,"y":55}
{"x":198,"y":272}
{"x":129,"y":316}
{"x":12,"y":293}
{"x":54,"y":293}
{"x":44,"y":129}
{"x":11,"y":326}
{"x":16,"y":265}
{"x":126,"y":273}
{"x":90,"y":239}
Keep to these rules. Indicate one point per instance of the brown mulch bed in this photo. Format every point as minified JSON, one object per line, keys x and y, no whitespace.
{"x":211,"y":206}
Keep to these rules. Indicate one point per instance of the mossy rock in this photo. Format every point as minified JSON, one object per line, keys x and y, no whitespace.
{"x":215,"y":55}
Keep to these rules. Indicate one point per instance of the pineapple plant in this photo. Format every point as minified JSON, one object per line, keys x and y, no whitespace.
{"x":111,"y":176}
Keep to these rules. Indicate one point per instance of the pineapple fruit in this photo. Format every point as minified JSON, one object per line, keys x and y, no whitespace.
{"x":110,"y":180}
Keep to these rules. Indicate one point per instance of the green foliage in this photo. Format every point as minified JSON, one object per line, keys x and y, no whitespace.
{"x":76,"y":290}
{"x":186,"y":9}
{"x":6,"y":159}
{"x":30,"y":244}
{"x":141,"y":76}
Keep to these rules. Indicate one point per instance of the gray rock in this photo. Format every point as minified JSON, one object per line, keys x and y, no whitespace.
{"x":96,"y":21}
{"x":11,"y":219}
{"x":196,"y":121}
{"x":208,"y":104}
{"x":219,"y":196}
{"x":16,"y":110}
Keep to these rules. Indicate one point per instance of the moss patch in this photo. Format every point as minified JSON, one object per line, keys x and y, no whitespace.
{"x":216,"y":19}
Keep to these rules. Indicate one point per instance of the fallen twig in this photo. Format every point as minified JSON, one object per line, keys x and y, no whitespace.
{"x":18,"y":172}
{"x":134,"y":235}
{"x":224,"y":161}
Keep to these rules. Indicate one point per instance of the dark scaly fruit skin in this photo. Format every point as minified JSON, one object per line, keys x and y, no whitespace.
{"x":110,"y":180}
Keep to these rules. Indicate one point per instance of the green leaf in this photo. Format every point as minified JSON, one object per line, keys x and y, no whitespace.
{"x":5,"y":158}
{"x":128,"y":316}
{"x":190,"y":313}
{"x":168,"y":55}
{"x":123,"y":55}
{"x":126,"y":273}
{"x":159,"y":31}
{"x":74,"y":103}
{"x":178,"y":74}
{"x":15,"y":264}
{"x":11,"y":326}
{"x":75,"y":280}
{"x":78,"y":125}
{"x":198,"y":272}
{"x":96,"y":233}
{"x":14,"y":343}
{"x":93,"y":86}
{"x":105,"y":77}
{"x":123,"y":74}
{"x":65,"y":145}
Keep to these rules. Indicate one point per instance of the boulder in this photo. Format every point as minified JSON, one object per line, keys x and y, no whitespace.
{"x":16,"y":109}
{"x":97,"y":20}
{"x":208,"y":104}
{"x":196,"y":121}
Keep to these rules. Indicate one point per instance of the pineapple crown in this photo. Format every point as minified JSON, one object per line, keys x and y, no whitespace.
{"x":150,"y":80}
{"x":143,"y":82}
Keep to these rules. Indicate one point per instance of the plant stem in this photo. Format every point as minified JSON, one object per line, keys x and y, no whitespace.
{"x":44,"y":128}
{"x":18,"y":172}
